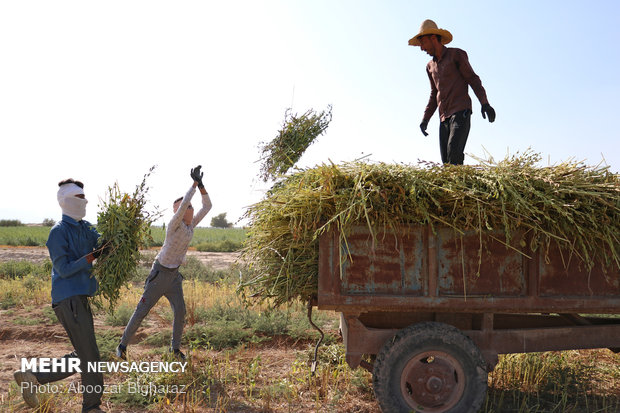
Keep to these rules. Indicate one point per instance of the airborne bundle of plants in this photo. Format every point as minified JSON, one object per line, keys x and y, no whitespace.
{"x":298,"y":132}
{"x":570,"y":204}
{"x":125,"y":226}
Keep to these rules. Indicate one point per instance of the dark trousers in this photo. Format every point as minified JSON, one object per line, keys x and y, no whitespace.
{"x":76,"y":317}
{"x":453,"y":134}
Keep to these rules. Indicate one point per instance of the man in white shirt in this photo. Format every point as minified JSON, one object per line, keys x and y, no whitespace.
{"x":165,"y":278}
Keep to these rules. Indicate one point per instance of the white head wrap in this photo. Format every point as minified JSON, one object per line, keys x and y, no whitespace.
{"x":70,"y":204}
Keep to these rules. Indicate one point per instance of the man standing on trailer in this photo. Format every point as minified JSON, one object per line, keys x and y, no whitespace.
{"x":450,"y":75}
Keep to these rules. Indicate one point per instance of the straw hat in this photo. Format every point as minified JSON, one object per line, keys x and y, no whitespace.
{"x":430,"y":27}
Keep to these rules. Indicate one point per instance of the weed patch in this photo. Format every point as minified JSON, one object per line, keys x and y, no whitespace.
{"x":107,"y":342}
{"x":21,"y":269}
{"x":218,"y":335}
{"x":220,"y":246}
{"x":120,"y":316}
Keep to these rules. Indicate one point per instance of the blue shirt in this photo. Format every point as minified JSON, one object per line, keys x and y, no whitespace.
{"x":68,"y":243}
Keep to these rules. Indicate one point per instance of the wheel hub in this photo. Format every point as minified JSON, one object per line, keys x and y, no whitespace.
{"x":432,"y":381}
{"x":434,"y":384}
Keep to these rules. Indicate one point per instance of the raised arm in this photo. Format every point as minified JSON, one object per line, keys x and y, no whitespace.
{"x":177,"y":218}
{"x":197,"y":175}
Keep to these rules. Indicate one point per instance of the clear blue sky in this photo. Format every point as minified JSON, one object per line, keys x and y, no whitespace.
{"x":101,"y":91}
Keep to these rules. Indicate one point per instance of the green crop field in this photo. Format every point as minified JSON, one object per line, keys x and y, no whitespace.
{"x":31,"y":236}
{"x":205,"y":239}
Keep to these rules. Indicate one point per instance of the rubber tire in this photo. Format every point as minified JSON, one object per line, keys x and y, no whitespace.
{"x":415,"y":340}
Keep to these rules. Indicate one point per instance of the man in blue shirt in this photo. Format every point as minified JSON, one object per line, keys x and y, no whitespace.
{"x":72,"y":246}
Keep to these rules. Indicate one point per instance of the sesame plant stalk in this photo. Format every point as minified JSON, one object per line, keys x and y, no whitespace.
{"x":298,"y":132}
{"x":125,"y":226}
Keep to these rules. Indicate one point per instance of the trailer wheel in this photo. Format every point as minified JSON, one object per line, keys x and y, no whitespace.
{"x":430,"y":367}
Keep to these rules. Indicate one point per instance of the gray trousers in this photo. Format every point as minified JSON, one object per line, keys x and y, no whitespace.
{"x":76,"y":317}
{"x":166,"y":282}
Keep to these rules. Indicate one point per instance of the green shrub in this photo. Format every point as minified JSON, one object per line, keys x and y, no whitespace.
{"x":220,"y":221}
{"x":218,"y":335}
{"x":20,"y":269}
{"x":140,"y":274}
{"x":158,"y":339}
{"x":107,"y":342}
{"x":32,"y":282}
{"x":220,"y":246}
{"x":48,"y":222}
{"x":332,"y":354}
{"x":129,"y":396}
{"x":27,"y":321}
{"x":50,"y":315}
{"x":120,"y":316}
{"x":194,"y":269}
{"x":271,"y":323}
{"x":7,"y":300}
{"x":228,"y":312}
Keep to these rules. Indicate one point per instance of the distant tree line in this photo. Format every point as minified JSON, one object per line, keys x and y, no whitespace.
{"x":11,"y":223}
{"x":47,"y":222}
{"x":218,"y":221}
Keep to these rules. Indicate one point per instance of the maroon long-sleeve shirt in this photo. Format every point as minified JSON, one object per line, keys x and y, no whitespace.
{"x":450,"y":76}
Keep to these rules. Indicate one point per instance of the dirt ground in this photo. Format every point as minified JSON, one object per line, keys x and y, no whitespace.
{"x":48,"y":339}
{"x":29,"y":332}
{"x":17,"y":341}
{"x":218,"y":260}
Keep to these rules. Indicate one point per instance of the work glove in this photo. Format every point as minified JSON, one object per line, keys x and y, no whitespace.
{"x":489,"y":111}
{"x":104,"y":249}
{"x":424,"y":125}
{"x":197,"y":175}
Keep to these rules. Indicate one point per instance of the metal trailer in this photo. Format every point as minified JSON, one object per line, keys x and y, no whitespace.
{"x":433,"y":309}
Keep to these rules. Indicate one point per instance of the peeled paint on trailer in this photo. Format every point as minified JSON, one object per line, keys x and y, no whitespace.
{"x":446,"y":270}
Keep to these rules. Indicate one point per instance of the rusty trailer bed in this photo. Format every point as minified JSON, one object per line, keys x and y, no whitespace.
{"x":418,"y":270}
{"x":433,"y":309}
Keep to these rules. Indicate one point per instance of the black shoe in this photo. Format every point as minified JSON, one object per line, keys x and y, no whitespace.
{"x":121,"y":352}
{"x":26,"y":381}
{"x":178,"y":354}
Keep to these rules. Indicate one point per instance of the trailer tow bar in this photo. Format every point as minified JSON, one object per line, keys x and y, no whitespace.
{"x":316,"y":347}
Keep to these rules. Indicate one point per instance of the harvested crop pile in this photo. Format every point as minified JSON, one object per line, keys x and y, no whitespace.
{"x":125,"y":227}
{"x":571,"y":204}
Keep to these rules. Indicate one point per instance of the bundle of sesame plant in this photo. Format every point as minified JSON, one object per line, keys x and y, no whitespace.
{"x":571,"y":205}
{"x":125,"y":226}
{"x":298,"y":132}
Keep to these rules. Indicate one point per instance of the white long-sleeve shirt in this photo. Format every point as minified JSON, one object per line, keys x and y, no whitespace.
{"x":178,"y":234}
